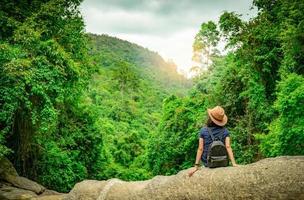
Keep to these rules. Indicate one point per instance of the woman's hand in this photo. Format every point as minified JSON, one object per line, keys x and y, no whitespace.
{"x":192,"y":171}
{"x":235,"y":165}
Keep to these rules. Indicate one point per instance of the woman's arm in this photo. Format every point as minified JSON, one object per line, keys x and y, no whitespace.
{"x":229,"y":151}
{"x":198,"y":156}
{"x":199,"y":152}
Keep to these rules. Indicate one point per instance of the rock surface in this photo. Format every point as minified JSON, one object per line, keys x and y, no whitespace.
{"x":14,"y":187}
{"x":24,"y":183}
{"x":6,"y":167}
{"x":8,"y":193}
{"x":272,"y":178}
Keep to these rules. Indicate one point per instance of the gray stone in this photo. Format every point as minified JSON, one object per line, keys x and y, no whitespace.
{"x":12,"y":193}
{"x":87,"y":189}
{"x":24,"y":183}
{"x":272,"y":178}
{"x":50,"y":192}
{"x":9,"y":174}
{"x":49,"y":197}
{"x":7,"y":168}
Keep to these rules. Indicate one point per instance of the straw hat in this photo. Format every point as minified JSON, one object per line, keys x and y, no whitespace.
{"x":217,"y":115}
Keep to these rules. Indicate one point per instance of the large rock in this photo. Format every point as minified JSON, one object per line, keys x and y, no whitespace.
{"x":12,"y":193}
{"x":6,"y":168}
{"x":9,"y":174}
{"x":50,"y":197}
{"x":24,"y":183}
{"x":272,"y":178}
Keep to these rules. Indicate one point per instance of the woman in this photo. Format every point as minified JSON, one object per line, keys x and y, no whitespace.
{"x":216,"y":122}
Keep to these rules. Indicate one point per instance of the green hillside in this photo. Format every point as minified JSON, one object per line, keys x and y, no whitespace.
{"x":151,"y":65}
{"x":75,"y":105}
{"x":126,"y":94}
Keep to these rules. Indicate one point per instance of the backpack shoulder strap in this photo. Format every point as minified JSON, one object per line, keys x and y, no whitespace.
{"x":222,"y":133}
{"x":210,"y":133}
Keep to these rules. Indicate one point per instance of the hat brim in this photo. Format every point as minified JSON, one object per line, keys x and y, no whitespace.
{"x":218,"y":122}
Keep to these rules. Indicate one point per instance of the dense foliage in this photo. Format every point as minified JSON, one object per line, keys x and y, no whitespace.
{"x":75,"y":106}
{"x":259,"y":83}
{"x":44,"y":68}
{"x":126,"y":94}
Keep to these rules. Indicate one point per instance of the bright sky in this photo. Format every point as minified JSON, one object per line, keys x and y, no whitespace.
{"x":165,"y":26}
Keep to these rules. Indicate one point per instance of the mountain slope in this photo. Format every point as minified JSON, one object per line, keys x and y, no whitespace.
{"x":151,"y":64}
{"x":126,"y":96}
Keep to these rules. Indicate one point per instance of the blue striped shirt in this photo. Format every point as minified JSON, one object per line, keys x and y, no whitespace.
{"x":208,"y":140}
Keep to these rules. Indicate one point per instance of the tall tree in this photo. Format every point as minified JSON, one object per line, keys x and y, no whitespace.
{"x":44,"y":67}
{"x":205,"y":43}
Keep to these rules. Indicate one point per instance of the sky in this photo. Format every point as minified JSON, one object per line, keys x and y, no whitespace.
{"x":165,"y":26}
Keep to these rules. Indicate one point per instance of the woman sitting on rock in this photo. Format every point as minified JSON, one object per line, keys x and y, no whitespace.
{"x":214,"y":142}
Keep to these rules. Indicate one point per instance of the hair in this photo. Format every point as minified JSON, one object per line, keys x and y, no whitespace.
{"x":210,"y":123}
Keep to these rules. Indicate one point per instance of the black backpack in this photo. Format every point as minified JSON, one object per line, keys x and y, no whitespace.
{"x":217,"y":153}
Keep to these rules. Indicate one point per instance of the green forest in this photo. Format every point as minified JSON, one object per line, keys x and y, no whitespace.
{"x":76,"y":105}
